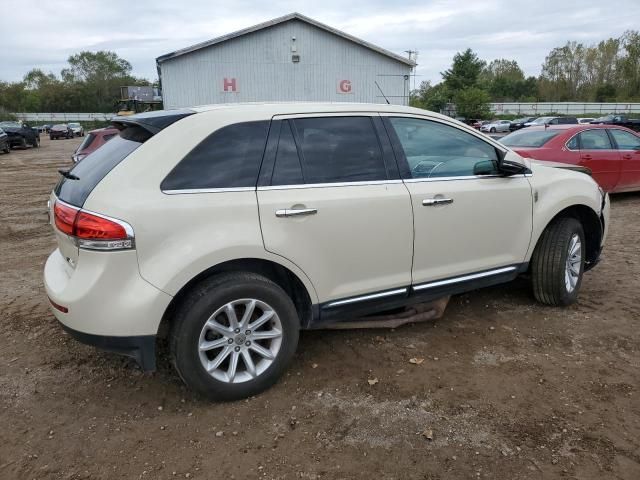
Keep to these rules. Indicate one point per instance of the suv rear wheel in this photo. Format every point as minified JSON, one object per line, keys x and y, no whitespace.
{"x":557,"y":264}
{"x":234,"y":335}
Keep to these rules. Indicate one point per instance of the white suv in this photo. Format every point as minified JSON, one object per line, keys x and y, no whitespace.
{"x":237,"y":226}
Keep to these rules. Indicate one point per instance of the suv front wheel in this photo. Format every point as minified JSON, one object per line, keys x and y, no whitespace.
{"x":557,"y":264}
{"x":234,"y":335}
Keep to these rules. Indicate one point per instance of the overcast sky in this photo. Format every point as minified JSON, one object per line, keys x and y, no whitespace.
{"x":141,"y":30}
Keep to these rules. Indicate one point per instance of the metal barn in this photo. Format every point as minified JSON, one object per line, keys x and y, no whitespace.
{"x":290,"y":58}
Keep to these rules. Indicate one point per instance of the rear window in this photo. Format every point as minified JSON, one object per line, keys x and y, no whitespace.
{"x":96,"y":166}
{"x":529,"y":138}
{"x":86,"y":142}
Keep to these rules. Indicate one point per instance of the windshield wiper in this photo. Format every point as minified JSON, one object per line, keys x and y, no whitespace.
{"x":68,"y":174}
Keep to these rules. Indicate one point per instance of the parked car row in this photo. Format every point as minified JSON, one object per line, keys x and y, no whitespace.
{"x":610,"y":152}
{"x":20,"y":134}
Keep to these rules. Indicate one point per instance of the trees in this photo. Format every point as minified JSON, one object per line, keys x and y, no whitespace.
{"x":505,"y":81}
{"x":472,"y":102}
{"x":431,"y":97}
{"x":464,"y":71}
{"x":90,"y":83}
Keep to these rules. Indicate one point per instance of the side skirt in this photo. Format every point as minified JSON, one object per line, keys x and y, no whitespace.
{"x":354,"y":307}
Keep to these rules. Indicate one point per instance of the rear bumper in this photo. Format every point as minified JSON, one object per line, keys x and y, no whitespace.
{"x":105,"y":302}
{"x":141,"y":348}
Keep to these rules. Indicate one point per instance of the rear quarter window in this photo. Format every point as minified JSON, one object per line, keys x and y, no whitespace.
{"x":228,"y":158}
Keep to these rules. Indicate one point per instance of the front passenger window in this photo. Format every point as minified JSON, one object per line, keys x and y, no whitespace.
{"x":433,"y":149}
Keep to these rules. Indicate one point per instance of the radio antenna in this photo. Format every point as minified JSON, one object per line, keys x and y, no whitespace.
{"x":385,"y":97}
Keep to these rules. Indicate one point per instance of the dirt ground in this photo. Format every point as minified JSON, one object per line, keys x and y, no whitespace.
{"x":509,"y":389}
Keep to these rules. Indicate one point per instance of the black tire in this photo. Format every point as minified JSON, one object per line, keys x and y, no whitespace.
{"x":36,"y":143}
{"x":492,"y":130}
{"x":23,"y":142}
{"x":194,"y":311}
{"x":7,"y":148}
{"x":549,"y":263}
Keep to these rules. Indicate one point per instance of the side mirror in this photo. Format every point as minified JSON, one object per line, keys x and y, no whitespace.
{"x":485,"y":167}
{"x":511,"y":168}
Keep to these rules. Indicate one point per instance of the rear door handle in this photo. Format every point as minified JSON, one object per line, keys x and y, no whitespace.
{"x":431,"y":202}
{"x":586,"y":157}
{"x":296,"y":212}
{"x":627,"y":157}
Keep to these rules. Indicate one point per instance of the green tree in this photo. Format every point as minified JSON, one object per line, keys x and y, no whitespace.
{"x":464,"y":72}
{"x":472,"y":102}
{"x":505,"y":81}
{"x":430,"y":97}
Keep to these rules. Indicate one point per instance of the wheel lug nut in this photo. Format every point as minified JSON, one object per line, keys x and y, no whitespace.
{"x":237,"y":330}
{"x":248,"y":332}
{"x":230,"y":341}
{"x":237,"y":349}
{"x":247,"y":343}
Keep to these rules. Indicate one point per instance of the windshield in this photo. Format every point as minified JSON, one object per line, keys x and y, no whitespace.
{"x":541,"y":120}
{"x":74,"y":125}
{"x":10,"y":125}
{"x":528,"y":138}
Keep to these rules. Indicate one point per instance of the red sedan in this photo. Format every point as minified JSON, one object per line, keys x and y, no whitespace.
{"x":611,"y":153}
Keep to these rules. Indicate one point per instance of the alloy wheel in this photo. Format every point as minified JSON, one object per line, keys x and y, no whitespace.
{"x":573,"y":263}
{"x":240,"y":340}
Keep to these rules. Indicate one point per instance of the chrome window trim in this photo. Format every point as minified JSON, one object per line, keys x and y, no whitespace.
{"x":208,"y":190}
{"x":463,"y":278}
{"x":326,"y":185}
{"x":367,"y":297}
{"x":463,"y":177}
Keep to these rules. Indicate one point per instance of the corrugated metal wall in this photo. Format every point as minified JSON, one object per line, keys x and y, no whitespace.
{"x":261,"y":65}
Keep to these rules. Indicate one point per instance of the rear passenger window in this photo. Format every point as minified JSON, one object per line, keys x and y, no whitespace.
{"x":339,"y":149}
{"x":228,"y":158}
{"x":594,"y":140}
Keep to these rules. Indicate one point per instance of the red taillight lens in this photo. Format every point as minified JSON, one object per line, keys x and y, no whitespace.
{"x":65,"y":217}
{"x":93,"y":231}
{"x":92,"y":227}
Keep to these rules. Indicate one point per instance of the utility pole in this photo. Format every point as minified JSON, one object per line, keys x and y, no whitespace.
{"x":413,"y":55}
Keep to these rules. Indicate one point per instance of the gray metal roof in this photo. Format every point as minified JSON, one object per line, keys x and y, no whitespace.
{"x":276,"y":21}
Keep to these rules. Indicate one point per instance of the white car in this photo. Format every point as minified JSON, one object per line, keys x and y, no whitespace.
{"x":233,"y":227}
{"x":496,"y":126}
{"x":583,"y":121}
{"x":77,"y":129}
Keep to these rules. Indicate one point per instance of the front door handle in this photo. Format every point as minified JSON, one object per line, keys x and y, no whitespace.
{"x":586,"y":157}
{"x":430,"y":202}
{"x":296,"y":212}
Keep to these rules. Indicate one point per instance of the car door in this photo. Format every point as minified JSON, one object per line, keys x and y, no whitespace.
{"x":467,"y":226}
{"x":628,"y":146}
{"x":598,"y":154}
{"x":331,"y":201}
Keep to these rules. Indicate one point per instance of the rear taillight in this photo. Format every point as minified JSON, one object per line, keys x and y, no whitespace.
{"x":65,"y":217}
{"x":93,"y":231}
